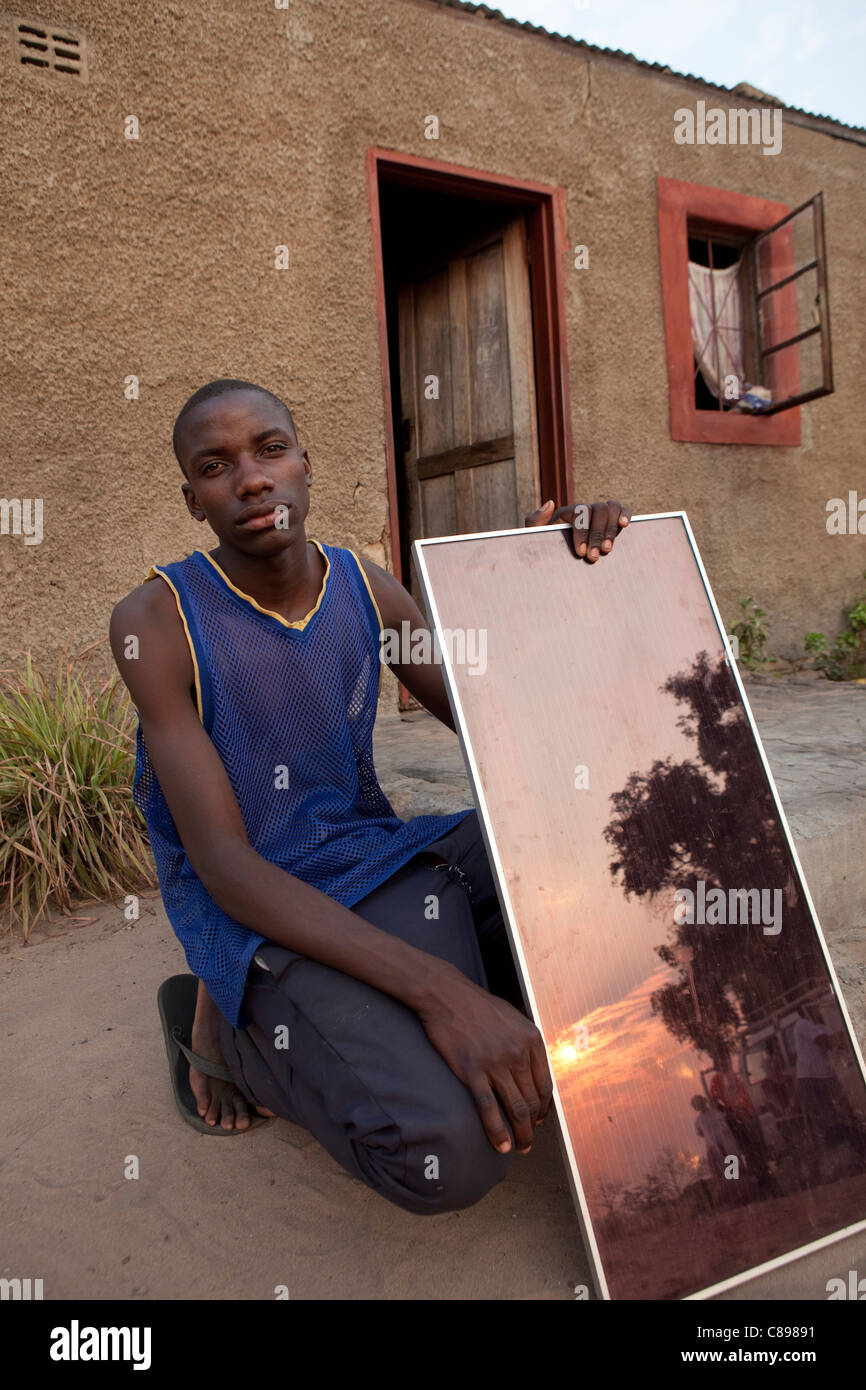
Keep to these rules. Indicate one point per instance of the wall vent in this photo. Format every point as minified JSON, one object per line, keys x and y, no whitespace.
{"x":53,"y":48}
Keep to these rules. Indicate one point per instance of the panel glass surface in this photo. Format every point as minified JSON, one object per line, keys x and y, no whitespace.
{"x":712,"y":1097}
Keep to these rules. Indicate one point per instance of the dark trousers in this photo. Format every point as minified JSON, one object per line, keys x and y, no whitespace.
{"x":355,"y":1067}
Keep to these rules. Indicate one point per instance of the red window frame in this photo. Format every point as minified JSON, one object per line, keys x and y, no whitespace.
{"x":740,"y":213}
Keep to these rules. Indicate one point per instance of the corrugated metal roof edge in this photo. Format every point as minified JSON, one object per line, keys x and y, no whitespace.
{"x":488,"y":13}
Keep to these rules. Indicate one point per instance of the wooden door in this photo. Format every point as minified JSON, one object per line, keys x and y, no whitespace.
{"x":467,"y":390}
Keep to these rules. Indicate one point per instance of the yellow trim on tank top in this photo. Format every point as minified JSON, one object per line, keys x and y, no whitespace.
{"x":152,"y":573}
{"x":299,"y":623}
{"x":378,"y":615}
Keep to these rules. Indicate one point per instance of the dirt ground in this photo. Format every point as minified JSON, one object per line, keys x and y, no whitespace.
{"x":86,"y":1087}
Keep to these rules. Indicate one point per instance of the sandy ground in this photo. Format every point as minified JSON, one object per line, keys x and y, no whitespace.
{"x":86,"y":1087}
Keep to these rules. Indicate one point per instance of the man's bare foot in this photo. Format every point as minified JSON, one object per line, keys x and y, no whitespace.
{"x":220,"y":1102}
{"x":217,"y":1102}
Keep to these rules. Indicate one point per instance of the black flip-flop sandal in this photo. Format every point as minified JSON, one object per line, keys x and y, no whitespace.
{"x":176,"y":1001}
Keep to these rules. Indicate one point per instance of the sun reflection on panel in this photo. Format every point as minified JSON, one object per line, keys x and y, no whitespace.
{"x":571,"y":1047}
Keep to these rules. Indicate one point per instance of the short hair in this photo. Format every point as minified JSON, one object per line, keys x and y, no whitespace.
{"x":221,"y":387}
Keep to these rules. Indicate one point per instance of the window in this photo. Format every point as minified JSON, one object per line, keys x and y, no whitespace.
{"x":747,"y":325}
{"x":722,"y":337}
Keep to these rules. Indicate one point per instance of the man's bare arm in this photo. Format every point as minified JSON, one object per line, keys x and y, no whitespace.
{"x":396,"y":605}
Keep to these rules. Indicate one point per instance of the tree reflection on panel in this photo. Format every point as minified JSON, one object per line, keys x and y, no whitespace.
{"x":751,"y":992}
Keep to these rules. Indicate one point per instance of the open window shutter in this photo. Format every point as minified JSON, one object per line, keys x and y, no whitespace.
{"x":791,"y":308}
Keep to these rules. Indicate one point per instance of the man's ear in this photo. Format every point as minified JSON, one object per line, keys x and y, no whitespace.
{"x":193,"y":508}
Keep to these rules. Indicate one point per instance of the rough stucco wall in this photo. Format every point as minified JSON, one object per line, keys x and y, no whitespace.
{"x":155,"y":258}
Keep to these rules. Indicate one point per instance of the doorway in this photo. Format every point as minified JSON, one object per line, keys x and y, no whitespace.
{"x":471,"y":336}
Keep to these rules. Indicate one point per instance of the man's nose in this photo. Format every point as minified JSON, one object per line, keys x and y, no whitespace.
{"x":252,"y":474}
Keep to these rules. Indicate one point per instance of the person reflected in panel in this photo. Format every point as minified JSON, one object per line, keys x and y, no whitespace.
{"x":712,"y":1127}
{"x":731,"y":1093}
{"x":829,"y":1116}
{"x":776,"y":1086}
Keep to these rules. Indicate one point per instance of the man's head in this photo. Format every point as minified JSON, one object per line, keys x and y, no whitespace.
{"x":221,"y":387}
{"x":699,"y":1103}
{"x":238,"y":448}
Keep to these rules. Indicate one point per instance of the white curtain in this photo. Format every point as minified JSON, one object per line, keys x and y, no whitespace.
{"x":716,"y":312}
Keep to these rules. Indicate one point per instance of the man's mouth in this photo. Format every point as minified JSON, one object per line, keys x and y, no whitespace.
{"x":260,"y":518}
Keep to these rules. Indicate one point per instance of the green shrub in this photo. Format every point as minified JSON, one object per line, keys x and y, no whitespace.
{"x":68,"y":825}
{"x":846,"y":659}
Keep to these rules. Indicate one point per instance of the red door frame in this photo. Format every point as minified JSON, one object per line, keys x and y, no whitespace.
{"x":545,"y":205}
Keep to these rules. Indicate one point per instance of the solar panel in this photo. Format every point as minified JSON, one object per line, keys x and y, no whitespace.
{"x":710,"y":1093}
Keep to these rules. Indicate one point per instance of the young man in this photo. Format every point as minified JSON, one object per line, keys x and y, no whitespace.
{"x":335,"y":996}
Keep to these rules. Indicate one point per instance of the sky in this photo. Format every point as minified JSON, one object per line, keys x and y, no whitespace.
{"x":807,"y":53}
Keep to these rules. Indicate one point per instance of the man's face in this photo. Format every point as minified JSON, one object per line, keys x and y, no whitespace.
{"x":247,"y":477}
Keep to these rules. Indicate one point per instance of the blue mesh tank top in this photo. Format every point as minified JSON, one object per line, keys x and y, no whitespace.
{"x":290,"y":707}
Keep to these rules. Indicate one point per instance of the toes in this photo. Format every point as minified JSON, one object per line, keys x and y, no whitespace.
{"x":228,"y":1113}
{"x":220,"y":1103}
{"x":242,"y":1114}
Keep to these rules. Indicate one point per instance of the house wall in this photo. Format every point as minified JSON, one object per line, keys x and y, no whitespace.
{"x":154,"y":258}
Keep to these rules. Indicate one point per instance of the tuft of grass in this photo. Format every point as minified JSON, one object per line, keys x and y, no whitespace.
{"x":68,"y":825}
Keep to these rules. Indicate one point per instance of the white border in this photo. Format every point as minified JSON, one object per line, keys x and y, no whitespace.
{"x":418,"y":548}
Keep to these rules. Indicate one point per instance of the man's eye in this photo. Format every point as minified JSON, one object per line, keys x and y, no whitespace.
{"x":275,"y":445}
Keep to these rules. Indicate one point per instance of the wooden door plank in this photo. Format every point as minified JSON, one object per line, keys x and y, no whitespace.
{"x":518,"y":305}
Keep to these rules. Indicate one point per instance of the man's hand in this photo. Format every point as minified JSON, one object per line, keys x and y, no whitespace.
{"x":495,"y":1051}
{"x":596,"y":526}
